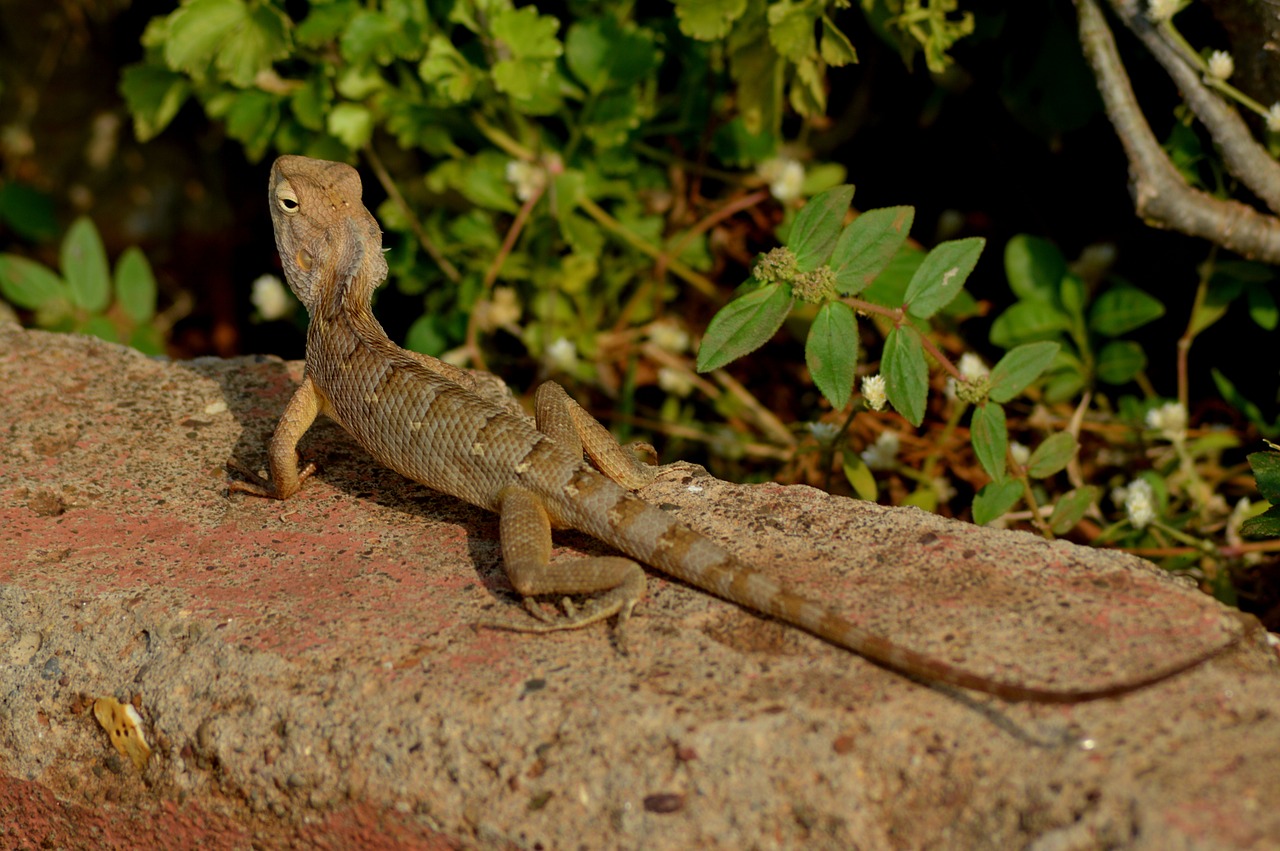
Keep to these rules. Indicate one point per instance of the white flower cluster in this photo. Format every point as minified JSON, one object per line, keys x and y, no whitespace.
{"x":883,"y":454}
{"x":1170,"y":419}
{"x":873,"y":392}
{"x":1139,"y":502}
{"x":528,"y":179}
{"x":785,"y":177}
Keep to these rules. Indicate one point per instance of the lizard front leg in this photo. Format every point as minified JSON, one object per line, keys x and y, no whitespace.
{"x":286,"y":478}
{"x":525,"y":531}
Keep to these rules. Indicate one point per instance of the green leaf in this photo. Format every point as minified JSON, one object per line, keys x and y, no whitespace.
{"x":744,"y":325}
{"x":351,"y":124}
{"x":1071,"y":508}
{"x":1034,"y":267}
{"x":906,"y":377}
{"x":708,"y":20}
{"x":368,"y":38}
{"x":791,"y":28}
{"x":990,"y":438}
{"x":448,"y":72}
{"x":1122,"y":309}
{"x":836,"y":48}
{"x":1237,"y":400}
{"x":941,"y":275}
{"x":198,"y":29}
{"x":831,"y":351}
{"x":28,"y":284}
{"x":1052,"y":456}
{"x":1266,"y":470}
{"x":325,"y":22}
{"x":526,"y":34}
{"x":146,"y":339}
{"x":1262,"y":306}
{"x":867,"y":245}
{"x":815,"y":230}
{"x":311,"y":102}
{"x":84,"y":265}
{"x":261,"y":38}
{"x":428,"y":335}
{"x":1073,"y":296}
{"x":153,"y":95}
{"x":1265,"y":525}
{"x":252,"y":118}
{"x":100,"y":327}
{"x":1028,"y":322}
{"x":995,"y":499}
{"x":1019,"y":367}
{"x":859,"y":475}
{"x":28,"y":211}
{"x":135,"y":285}
{"x":1120,"y":361}
{"x":602,"y":54}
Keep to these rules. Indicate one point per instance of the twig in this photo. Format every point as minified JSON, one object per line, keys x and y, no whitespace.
{"x":375,"y":162}
{"x":1160,"y":195}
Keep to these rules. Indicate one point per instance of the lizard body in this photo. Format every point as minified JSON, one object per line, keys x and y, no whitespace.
{"x":442,"y":427}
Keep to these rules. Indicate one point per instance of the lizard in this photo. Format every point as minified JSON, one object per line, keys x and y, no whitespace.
{"x":444,"y":427}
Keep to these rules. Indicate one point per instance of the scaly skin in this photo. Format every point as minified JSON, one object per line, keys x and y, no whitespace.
{"x":447,"y":429}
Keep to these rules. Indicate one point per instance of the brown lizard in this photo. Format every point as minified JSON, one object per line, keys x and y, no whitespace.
{"x":443,"y":427}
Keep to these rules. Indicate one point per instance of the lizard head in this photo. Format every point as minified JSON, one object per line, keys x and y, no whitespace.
{"x":329,"y":244}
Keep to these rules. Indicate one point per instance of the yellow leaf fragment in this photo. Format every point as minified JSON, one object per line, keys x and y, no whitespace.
{"x":124,"y":725}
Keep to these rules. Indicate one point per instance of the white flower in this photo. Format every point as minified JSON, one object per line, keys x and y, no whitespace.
{"x":873,"y":391}
{"x":669,"y":336}
{"x":824,"y":433}
{"x":527,"y":178}
{"x":562,"y":355}
{"x":882,"y":454}
{"x":1139,"y":503}
{"x":1170,"y":419}
{"x":1021,"y":454}
{"x":1160,"y":11}
{"x":1273,"y":118}
{"x":942,"y":489}
{"x":971,"y":367}
{"x":1221,"y":65}
{"x":271,"y":298}
{"x":785,"y":177}
{"x":675,"y":381}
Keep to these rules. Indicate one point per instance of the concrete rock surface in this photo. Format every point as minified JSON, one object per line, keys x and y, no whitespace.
{"x":312,"y":674}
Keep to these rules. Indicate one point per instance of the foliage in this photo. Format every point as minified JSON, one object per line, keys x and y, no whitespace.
{"x":87,"y":297}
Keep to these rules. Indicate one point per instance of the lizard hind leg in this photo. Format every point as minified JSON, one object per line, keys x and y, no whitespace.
{"x":568,"y":424}
{"x":525,"y":529}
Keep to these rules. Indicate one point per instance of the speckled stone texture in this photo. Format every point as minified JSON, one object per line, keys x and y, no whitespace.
{"x":311,"y":673}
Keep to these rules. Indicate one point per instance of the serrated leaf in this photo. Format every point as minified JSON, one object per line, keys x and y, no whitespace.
{"x":866,"y":246}
{"x":1019,"y":367}
{"x":526,"y":34}
{"x":1122,"y":309}
{"x":791,"y":29}
{"x":1028,"y":322}
{"x":325,"y":22}
{"x":744,"y":325}
{"x":1266,"y":471}
{"x":1052,"y":456}
{"x":831,"y":351}
{"x":602,"y":54}
{"x":367,"y":38}
{"x":1034,"y":266}
{"x":990,"y":438}
{"x":1120,"y":361}
{"x":196,"y":31}
{"x":906,"y":377}
{"x":153,"y":95}
{"x":351,"y":124}
{"x":311,"y":101}
{"x":135,"y":285}
{"x":84,"y":266}
{"x":1265,"y":525}
{"x":859,"y":475}
{"x":1071,"y":508}
{"x":252,"y":118}
{"x":261,"y":38}
{"x":28,"y":284}
{"x":995,"y":499}
{"x":836,"y":48}
{"x":708,"y":20}
{"x":941,"y":275}
{"x":448,"y":72}
{"x":815,"y":229}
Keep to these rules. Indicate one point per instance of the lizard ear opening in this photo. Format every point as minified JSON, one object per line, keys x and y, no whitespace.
{"x":286,"y":198}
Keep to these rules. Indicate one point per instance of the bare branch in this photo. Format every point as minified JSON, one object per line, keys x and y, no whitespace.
{"x":1161,"y":197}
{"x":1248,"y":161}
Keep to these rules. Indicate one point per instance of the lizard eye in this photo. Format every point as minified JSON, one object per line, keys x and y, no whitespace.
{"x":287,"y":199}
